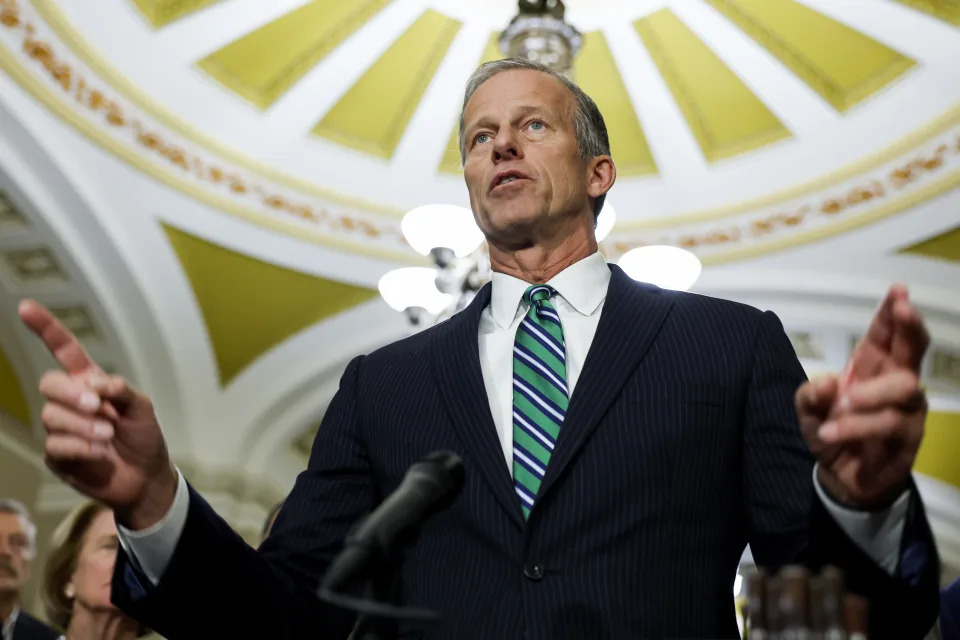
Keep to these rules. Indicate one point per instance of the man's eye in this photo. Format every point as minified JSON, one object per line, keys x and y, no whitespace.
{"x":536,"y":125}
{"x":481,"y":138}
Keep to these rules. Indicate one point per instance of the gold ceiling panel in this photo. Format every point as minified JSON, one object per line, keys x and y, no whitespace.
{"x":596,"y":72}
{"x":940,"y":450}
{"x":450,"y":163}
{"x":250,"y":306}
{"x":263,"y":64}
{"x":374,"y":113}
{"x":841,"y":64}
{"x":947,"y":10}
{"x":12,"y":399}
{"x":163,"y":12}
{"x":945,"y":246}
{"x":726,"y":118}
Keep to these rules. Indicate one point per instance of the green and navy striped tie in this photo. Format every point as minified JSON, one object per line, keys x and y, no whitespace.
{"x":540,"y":396}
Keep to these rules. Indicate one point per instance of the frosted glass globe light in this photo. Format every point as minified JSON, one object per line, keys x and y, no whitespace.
{"x":605,"y":222}
{"x":441,"y":225}
{"x":662,"y":265}
{"x":413,"y":287}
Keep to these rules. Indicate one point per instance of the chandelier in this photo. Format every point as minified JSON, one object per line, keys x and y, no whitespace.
{"x":539,"y":33}
{"x":450,"y":237}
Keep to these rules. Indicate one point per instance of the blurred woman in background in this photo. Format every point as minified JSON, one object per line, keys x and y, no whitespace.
{"x":76,"y":589}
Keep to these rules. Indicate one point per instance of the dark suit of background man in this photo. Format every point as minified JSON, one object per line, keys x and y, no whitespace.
{"x":18,"y":545}
{"x":675,"y":443}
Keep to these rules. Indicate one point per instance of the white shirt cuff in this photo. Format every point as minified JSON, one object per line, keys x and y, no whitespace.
{"x":151,"y":549}
{"x":877,"y":533}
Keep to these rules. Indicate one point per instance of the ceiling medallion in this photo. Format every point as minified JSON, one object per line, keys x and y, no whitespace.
{"x":539,"y":33}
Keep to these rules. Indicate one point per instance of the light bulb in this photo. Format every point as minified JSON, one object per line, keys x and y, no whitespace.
{"x":441,"y":225}
{"x":665,"y":266}
{"x":413,"y":287}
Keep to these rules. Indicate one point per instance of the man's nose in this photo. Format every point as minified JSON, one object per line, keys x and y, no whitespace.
{"x":506,"y":145}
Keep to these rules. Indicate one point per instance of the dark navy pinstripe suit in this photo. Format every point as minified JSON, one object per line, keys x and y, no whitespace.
{"x":679,"y":447}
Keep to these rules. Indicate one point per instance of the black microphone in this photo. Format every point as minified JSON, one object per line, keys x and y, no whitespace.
{"x":428,"y":487}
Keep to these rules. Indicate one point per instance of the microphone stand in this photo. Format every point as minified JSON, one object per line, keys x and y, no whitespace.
{"x":383,"y":588}
{"x":380,"y":610}
{"x":373,"y":552}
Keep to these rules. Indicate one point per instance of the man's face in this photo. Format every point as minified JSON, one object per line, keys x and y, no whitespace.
{"x":14,"y":553}
{"x":522,"y":164}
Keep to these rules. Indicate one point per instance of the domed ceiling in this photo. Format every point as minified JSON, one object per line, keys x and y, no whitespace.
{"x":209,"y":190}
{"x":739,"y":126}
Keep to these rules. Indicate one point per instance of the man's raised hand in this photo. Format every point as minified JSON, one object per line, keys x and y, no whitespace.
{"x":103,"y":437}
{"x":865,"y":426}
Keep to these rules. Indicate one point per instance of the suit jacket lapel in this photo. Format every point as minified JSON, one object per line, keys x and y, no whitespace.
{"x":456,"y":360}
{"x":631,"y":317}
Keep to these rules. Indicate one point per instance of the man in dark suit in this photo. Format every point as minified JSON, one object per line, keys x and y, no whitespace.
{"x":26,"y":627}
{"x":18,"y":544}
{"x":622,"y":444}
{"x":949,"y":623}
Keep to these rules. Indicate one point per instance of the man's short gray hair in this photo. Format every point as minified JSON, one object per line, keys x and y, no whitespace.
{"x":8,"y":505}
{"x":591,"y":130}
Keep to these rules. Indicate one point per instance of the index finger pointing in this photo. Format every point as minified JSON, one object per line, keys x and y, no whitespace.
{"x":881,"y":329}
{"x":59,"y":341}
{"x":910,"y":338}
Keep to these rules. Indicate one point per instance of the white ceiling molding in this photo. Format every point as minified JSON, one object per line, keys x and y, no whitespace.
{"x":55,"y":496}
{"x":58,"y":209}
{"x":817,"y":298}
{"x":140,"y":55}
{"x":17,"y":446}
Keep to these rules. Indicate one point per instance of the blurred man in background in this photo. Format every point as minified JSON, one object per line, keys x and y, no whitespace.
{"x":18,"y":537}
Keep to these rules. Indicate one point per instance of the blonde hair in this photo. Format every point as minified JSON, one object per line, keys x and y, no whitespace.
{"x":62,"y":562}
{"x":68,"y":539}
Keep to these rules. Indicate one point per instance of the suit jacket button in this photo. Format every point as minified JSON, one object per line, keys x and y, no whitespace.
{"x":533,"y":572}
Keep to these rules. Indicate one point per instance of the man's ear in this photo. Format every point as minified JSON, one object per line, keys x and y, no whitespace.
{"x":601,"y":174}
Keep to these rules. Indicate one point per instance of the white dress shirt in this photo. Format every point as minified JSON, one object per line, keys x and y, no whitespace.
{"x":7,"y":629}
{"x":581,"y":290}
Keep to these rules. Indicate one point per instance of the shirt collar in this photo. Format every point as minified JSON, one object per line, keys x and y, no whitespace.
{"x":9,"y":622}
{"x":583,"y":285}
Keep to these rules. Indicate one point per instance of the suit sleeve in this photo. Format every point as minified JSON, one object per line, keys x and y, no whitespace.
{"x":788,"y":524}
{"x":217,"y":586}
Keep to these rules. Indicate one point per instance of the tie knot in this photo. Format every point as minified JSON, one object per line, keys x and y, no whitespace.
{"x":537,"y":293}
